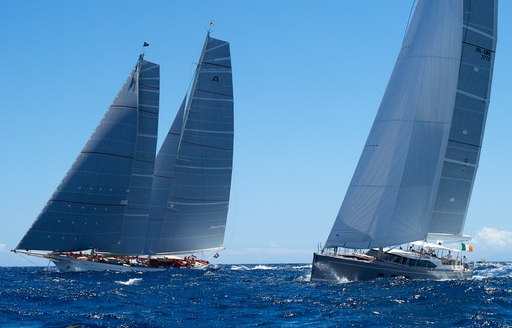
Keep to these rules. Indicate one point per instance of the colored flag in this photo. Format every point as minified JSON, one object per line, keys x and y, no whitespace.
{"x":212,"y":23}
{"x":470,"y":248}
{"x":145,"y":44}
{"x":216,"y":255}
{"x":463,"y":246}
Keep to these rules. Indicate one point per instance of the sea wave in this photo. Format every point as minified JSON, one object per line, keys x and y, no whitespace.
{"x":255,"y":295}
{"x":270,"y":267}
{"x":492,"y":270}
{"x":129,"y":282}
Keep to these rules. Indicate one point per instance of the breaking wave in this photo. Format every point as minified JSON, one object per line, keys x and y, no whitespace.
{"x":129,"y":282}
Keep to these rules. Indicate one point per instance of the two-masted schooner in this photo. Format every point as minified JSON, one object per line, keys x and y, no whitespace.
{"x":122,"y":208}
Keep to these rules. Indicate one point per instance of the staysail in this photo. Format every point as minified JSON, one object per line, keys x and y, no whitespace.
{"x":163,"y":179}
{"x":190,"y":209}
{"x":88,"y":209}
{"x":468,"y":122}
{"x":392,"y":193}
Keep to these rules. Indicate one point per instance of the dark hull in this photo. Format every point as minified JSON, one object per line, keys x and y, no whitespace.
{"x":336,"y":268}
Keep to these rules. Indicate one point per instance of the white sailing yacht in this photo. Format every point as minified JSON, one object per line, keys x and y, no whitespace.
{"x":117,"y":208}
{"x":413,"y":181}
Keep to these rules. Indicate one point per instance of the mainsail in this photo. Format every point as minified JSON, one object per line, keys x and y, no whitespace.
{"x":192,"y":183}
{"x":468,"y":122}
{"x":100,"y":201}
{"x":434,"y":88}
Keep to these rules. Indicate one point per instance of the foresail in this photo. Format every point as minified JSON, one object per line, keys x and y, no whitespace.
{"x":162,"y":182}
{"x":391,"y":195}
{"x":136,"y":217}
{"x":87,"y":209}
{"x":197,"y":206}
{"x":467,"y":129}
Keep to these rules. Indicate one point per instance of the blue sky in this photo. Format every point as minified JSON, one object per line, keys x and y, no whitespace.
{"x":308,"y":80}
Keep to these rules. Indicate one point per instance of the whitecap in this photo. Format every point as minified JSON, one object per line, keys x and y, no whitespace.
{"x":132,"y":281}
{"x":306,"y":278}
{"x":300,"y":267}
{"x":264,"y":267}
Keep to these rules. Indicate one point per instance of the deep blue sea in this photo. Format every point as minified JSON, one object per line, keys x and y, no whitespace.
{"x":250,"y":296}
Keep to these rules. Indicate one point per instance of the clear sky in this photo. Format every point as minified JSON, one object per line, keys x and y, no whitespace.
{"x":308,"y":80}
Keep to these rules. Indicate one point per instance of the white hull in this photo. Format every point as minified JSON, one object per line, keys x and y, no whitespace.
{"x":65,"y":263}
{"x":71,"y":264}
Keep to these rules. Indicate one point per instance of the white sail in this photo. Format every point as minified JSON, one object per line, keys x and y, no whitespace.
{"x":468,"y":122}
{"x":391,"y":196}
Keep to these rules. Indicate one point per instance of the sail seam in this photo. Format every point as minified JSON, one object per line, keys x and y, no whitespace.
{"x":201,"y":204}
{"x":147,"y":135}
{"x":215,"y":93}
{"x":478,"y":46}
{"x":143,"y":161}
{"x":122,"y":106}
{"x":448,"y":212}
{"x":222,"y":44}
{"x":459,"y":162}
{"x":106,"y":154}
{"x":85,"y":203}
{"x":164,"y":176}
{"x":464,"y":143}
{"x":477,"y":31}
{"x":213,"y":99}
{"x":78,"y":234}
{"x":200,"y":145}
{"x":455,"y":179}
{"x":203,"y":167}
{"x":215,"y":64}
{"x":471,"y":95}
{"x":147,"y":111}
{"x":210,"y":131}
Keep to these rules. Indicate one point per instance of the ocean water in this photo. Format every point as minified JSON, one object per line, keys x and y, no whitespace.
{"x":250,"y":296}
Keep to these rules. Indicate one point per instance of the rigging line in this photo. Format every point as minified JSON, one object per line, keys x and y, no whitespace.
{"x":234,"y":211}
{"x":410,"y":16}
{"x":26,"y":258}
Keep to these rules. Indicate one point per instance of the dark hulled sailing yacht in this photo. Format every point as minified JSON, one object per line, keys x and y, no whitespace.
{"x":414,"y":178}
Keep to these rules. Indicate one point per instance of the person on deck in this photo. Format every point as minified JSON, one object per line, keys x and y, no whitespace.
{"x":465,"y":262}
